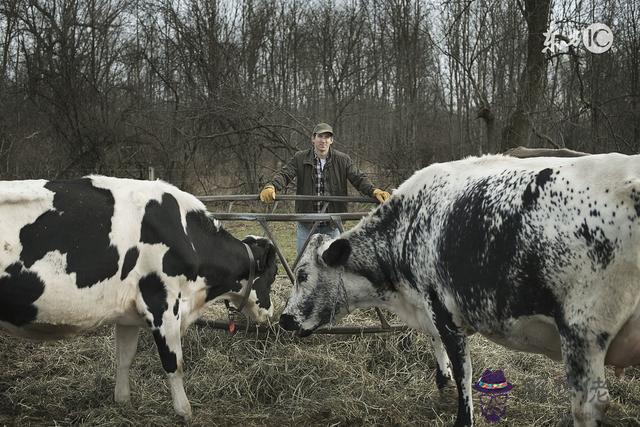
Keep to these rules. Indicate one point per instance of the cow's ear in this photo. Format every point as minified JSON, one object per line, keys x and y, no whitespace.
{"x":250,"y":240}
{"x":337,"y":253}
{"x":264,"y":252}
{"x":270,"y":258}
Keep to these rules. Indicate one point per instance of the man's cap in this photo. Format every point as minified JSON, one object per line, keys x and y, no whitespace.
{"x":322,"y":128}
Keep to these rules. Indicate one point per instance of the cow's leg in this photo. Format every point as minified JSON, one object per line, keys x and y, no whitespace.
{"x":455,"y":344}
{"x":161,"y":308}
{"x":583,"y":357}
{"x":170,"y":349}
{"x":126,"y":345}
{"x":443,"y":367}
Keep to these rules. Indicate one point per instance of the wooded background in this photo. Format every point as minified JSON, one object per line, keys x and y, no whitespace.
{"x":216,"y":94}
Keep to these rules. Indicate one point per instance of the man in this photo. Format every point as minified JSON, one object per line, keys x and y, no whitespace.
{"x":320,"y":171}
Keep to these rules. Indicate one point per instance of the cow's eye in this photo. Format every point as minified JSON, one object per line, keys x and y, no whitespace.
{"x":302,"y":276}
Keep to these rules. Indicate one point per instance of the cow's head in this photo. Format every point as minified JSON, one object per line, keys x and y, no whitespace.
{"x":324,"y":289}
{"x":259,"y":306}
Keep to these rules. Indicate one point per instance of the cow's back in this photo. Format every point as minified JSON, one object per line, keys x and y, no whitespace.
{"x":63,"y":247}
{"x":508,"y":238}
{"x":21,"y":202}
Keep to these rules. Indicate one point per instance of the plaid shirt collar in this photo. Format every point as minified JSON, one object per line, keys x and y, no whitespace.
{"x":320,"y":187}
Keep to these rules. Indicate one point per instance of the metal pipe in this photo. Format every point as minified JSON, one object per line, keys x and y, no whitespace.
{"x":256,"y":197}
{"x":250,"y":216}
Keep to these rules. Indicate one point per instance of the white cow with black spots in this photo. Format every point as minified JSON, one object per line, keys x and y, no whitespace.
{"x":539,"y":255}
{"x":81,"y":253}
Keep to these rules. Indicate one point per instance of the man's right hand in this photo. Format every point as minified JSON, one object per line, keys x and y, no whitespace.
{"x":268,"y":194}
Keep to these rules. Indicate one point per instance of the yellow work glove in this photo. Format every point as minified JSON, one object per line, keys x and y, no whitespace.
{"x":381,"y":195}
{"x":268,"y":194}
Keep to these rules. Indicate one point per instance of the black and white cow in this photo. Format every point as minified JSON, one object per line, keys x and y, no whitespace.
{"x":539,"y":255}
{"x":80,"y":253}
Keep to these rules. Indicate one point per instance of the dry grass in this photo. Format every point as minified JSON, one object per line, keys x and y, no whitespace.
{"x":278,"y":379}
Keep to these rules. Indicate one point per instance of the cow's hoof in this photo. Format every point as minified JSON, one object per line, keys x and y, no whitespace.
{"x":448,"y":394}
{"x":185,"y":413}
{"x":122,"y":398}
{"x":187,"y":418}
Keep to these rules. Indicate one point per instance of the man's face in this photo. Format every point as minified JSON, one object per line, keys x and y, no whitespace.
{"x":321,"y":143}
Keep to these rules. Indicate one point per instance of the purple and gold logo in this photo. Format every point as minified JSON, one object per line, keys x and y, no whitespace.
{"x":494,"y":392}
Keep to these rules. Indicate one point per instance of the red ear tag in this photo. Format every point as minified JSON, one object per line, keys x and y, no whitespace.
{"x":232,"y":327}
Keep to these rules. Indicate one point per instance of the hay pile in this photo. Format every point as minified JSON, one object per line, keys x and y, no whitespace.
{"x":278,"y":379}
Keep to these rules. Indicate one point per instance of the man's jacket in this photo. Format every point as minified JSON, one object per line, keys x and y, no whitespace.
{"x":337,"y":171}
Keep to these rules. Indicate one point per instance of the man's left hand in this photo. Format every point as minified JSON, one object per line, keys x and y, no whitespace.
{"x":381,"y":195}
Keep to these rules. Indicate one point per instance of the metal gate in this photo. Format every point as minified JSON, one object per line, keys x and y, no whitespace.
{"x":264,"y":218}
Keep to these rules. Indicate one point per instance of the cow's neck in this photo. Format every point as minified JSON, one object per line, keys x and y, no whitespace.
{"x":372,"y":256}
{"x":221,"y":258}
{"x":223,"y":273}
{"x":375,"y":256}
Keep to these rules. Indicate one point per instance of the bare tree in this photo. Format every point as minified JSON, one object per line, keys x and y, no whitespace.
{"x":518,"y":126}
{"x":217,"y":94}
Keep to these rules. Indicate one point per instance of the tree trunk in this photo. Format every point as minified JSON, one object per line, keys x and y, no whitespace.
{"x":518,"y":126}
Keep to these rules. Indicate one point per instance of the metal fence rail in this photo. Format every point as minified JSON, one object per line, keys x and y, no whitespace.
{"x":264,"y":218}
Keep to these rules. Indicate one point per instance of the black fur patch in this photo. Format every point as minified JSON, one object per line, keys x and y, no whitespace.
{"x":308,"y":306}
{"x":529,"y":197}
{"x":130,"y":259}
{"x":176,"y":307}
{"x":337,"y":253}
{"x":602,"y":339}
{"x":635,"y":196}
{"x":486,"y":252}
{"x":222,"y":259}
{"x":167,"y":357}
{"x":154,"y":295}
{"x":78,"y":226}
{"x":18,"y":291}
{"x":162,"y":224}
{"x":600,"y":247}
{"x":441,"y":379}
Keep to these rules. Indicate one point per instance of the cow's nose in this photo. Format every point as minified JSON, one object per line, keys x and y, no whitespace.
{"x":288,"y":322}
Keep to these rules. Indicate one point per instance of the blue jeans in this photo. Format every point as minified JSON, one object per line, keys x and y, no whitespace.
{"x":304,"y":228}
